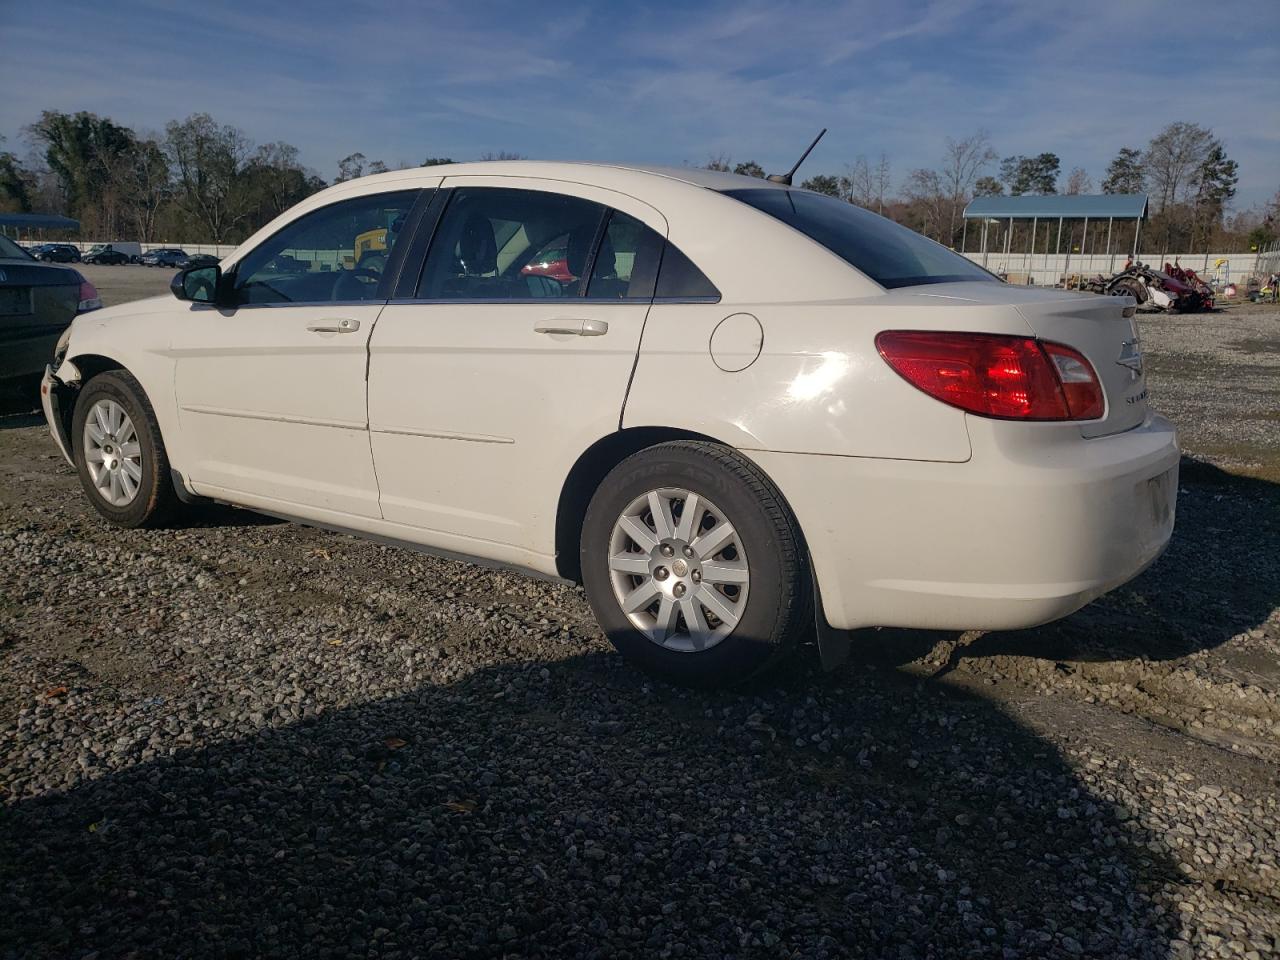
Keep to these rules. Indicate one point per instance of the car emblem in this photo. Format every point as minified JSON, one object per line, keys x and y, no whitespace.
{"x":3,"y":276}
{"x":1131,"y":357}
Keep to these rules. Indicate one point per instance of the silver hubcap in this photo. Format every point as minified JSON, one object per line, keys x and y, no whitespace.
{"x":112,"y":453}
{"x":679,"y":570}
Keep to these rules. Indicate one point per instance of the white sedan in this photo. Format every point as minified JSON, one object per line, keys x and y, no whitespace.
{"x":715,"y":401}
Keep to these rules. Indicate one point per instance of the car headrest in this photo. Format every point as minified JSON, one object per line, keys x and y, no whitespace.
{"x":477,"y":248}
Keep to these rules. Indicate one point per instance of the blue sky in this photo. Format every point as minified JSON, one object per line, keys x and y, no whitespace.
{"x":663,"y":82}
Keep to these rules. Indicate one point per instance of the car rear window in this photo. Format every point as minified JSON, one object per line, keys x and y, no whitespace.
{"x":10,"y":249}
{"x":889,"y":254}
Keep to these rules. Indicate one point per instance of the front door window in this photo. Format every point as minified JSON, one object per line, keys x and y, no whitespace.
{"x":335,"y":254}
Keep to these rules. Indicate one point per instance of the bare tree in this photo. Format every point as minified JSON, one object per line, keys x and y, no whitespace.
{"x":208,"y":158}
{"x":926,"y":193}
{"x":719,"y":162}
{"x":858,"y":184}
{"x":964,"y":163}
{"x":152,"y":187}
{"x":880,"y":179}
{"x":351,"y":167}
{"x":866,"y":185}
{"x":1078,"y":182}
{"x":1172,"y":158}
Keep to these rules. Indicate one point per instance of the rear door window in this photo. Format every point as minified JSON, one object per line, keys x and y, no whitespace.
{"x":626,"y":262}
{"x":494,"y":243}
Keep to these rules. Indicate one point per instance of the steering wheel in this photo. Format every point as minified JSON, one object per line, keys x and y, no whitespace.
{"x":345,"y":278}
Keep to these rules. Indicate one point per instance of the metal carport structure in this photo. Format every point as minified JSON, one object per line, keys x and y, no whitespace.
{"x":1007,"y":211}
{"x":35,"y":221}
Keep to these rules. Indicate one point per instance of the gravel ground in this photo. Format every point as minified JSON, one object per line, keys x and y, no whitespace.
{"x":243,"y":738}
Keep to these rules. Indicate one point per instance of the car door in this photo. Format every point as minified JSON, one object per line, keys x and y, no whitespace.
{"x":271,"y":390}
{"x":486,"y":387}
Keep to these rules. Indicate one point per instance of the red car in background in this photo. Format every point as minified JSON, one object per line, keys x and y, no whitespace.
{"x":551,"y":261}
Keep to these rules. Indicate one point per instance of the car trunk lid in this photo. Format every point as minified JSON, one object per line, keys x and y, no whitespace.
{"x":37,"y":295}
{"x":1097,"y":327}
{"x":1091,"y":323}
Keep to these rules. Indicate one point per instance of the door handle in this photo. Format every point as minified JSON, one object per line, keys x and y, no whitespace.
{"x":576,"y":328}
{"x":335,"y":325}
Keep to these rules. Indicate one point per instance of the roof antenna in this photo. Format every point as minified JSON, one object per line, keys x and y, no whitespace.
{"x":785,"y":178}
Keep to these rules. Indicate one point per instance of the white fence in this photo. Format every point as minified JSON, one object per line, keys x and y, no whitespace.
{"x":1048,"y":269}
{"x":215,"y":249}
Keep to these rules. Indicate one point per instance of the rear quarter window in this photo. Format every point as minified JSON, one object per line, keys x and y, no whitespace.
{"x":680,"y":279}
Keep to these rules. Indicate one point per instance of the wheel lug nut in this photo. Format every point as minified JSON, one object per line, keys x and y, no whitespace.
{"x":679,"y":589}
{"x":696,"y":577}
{"x":666,"y":550}
{"x":688,"y":550}
{"x":661,"y":573}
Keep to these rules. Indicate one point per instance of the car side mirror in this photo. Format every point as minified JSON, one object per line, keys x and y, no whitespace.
{"x":197,"y":284}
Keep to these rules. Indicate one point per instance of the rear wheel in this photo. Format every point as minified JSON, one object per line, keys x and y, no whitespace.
{"x":120,"y":454}
{"x":694,"y":566}
{"x":1129,"y":288}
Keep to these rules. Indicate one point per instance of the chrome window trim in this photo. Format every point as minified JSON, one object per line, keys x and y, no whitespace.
{"x":298,"y":303}
{"x":423,"y":302}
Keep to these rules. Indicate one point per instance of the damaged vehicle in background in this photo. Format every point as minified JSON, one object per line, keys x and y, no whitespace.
{"x":873,"y":431}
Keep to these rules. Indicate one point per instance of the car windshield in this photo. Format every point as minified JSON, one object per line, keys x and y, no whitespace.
{"x":889,"y":254}
{"x":10,"y":249}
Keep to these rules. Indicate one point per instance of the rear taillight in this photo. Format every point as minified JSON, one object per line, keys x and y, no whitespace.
{"x":89,"y":299}
{"x":1012,"y":378}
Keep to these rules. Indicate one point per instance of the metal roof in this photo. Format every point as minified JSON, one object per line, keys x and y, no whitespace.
{"x":1101,"y":206}
{"x":38,"y":221}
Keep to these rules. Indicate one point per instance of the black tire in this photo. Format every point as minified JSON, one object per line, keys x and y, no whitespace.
{"x":778,"y":605}
{"x":156,"y":501}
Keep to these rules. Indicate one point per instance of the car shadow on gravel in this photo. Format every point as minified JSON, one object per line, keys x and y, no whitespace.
{"x":208,"y":515}
{"x":573,"y":809}
{"x":1219,"y":577}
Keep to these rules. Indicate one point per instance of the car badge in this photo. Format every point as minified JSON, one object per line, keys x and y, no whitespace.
{"x":3,"y":276}
{"x":1131,"y":357}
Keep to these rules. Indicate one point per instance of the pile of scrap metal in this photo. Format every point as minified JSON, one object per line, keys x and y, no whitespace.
{"x":1173,"y":290}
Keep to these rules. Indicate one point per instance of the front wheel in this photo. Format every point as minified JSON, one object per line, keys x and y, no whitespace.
{"x":120,"y":454}
{"x":694,"y":565}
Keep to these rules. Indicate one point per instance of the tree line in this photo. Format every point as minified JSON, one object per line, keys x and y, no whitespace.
{"x":198,"y":181}
{"x":202,"y":181}
{"x":1184,"y":169}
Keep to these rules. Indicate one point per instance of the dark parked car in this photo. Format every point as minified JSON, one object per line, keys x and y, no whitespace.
{"x":111,"y":254}
{"x":199,"y":260}
{"x":37,"y":302}
{"x":163,"y":257}
{"x":56,"y":253}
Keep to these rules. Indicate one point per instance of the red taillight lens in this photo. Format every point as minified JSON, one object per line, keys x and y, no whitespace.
{"x":1013,"y":378}
{"x":89,"y":299}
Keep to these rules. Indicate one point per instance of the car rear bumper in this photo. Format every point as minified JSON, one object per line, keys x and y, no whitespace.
{"x":23,"y":357}
{"x":1013,"y":538}
{"x":52,"y":395}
